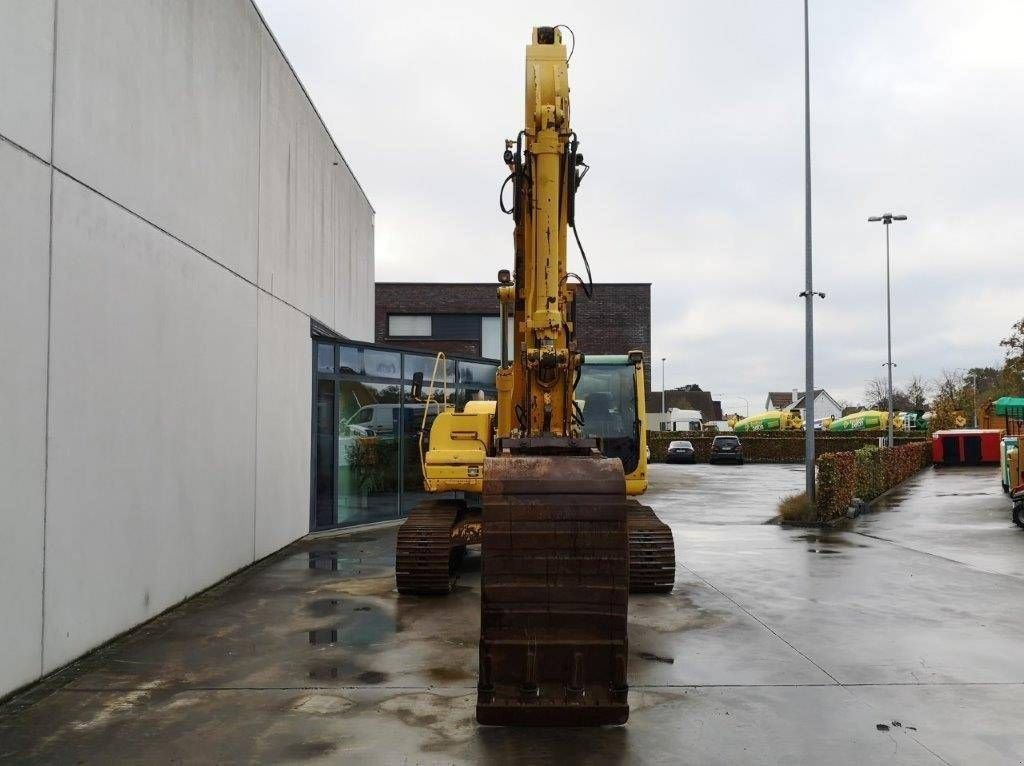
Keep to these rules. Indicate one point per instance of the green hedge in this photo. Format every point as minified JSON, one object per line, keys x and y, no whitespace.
{"x":835,"y":485}
{"x":866,"y":474}
{"x":771,"y":447}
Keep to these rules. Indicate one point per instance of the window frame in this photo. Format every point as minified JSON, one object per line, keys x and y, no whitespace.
{"x":418,"y":336}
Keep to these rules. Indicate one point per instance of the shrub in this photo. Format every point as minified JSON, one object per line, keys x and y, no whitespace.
{"x":797,"y":508}
{"x":836,"y":483}
{"x":866,"y":474}
{"x":869,"y":476}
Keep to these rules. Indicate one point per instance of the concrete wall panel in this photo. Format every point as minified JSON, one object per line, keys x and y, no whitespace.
{"x":314,"y":218}
{"x":354,"y":289}
{"x":158,"y":108}
{"x":26,"y":72}
{"x":152,"y":428}
{"x":24,"y":221}
{"x":282,"y":426}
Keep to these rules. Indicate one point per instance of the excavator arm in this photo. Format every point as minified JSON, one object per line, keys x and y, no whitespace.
{"x":561,"y":543}
{"x":535,"y":390}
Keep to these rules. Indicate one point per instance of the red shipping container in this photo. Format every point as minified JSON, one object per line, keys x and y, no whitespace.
{"x":966,"y":446}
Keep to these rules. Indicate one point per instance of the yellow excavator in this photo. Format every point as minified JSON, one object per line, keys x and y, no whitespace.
{"x":543,"y":475}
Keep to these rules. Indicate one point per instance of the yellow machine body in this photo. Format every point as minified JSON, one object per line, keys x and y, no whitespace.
{"x":459,"y":442}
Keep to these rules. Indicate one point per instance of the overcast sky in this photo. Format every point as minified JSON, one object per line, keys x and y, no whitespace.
{"x":691,"y":116}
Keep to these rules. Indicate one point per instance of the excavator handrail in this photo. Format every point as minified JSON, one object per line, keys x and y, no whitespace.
{"x":426,"y":408}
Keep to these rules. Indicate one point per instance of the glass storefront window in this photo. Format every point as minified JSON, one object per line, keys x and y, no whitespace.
{"x":416,"y":363}
{"x":324,"y":357}
{"x":475,"y":381}
{"x":368,"y":460}
{"x":382,"y":364}
{"x":367,"y":428}
{"x":351,"y":360}
{"x":417,"y":417}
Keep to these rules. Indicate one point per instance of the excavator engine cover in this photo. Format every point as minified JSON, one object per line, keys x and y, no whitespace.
{"x":555,"y":588}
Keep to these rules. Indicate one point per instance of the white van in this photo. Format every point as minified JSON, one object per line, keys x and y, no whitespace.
{"x":382,"y":419}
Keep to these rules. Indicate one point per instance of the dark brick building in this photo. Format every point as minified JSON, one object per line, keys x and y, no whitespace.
{"x":689,"y":397}
{"x":462,"y":318}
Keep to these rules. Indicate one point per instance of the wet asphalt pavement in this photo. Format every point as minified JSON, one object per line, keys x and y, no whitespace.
{"x":898,"y":640}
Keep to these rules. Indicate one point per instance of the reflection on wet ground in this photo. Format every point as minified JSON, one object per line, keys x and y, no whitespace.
{"x":830,"y":538}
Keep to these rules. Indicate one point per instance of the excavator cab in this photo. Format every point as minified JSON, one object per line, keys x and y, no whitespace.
{"x":610,"y":406}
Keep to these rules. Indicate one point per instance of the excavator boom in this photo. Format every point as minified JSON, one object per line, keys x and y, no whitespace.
{"x":562,"y":544}
{"x":555,"y":572}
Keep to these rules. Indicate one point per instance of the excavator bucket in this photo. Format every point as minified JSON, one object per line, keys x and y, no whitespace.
{"x":555,"y":588}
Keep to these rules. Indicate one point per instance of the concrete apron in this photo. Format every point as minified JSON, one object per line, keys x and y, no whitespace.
{"x":898,"y":639}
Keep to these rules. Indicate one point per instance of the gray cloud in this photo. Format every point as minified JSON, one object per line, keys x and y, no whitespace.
{"x":692,"y":117}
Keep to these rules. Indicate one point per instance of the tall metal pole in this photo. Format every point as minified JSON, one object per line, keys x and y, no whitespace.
{"x":746,"y":402}
{"x":808,"y":284}
{"x":663,"y":384}
{"x":886,"y":220}
{"x":888,"y":325}
{"x":663,"y":389}
{"x":974,"y":420}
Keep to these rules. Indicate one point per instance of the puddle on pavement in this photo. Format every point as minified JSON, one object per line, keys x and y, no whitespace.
{"x":323,"y":561}
{"x":824,"y":542}
{"x":324,"y":637}
{"x":355,"y":563}
{"x":357,"y":632}
{"x":308,"y":750}
{"x":324,"y":607}
{"x":372,"y":677}
{"x":324,"y":673}
{"x":656,"y":658}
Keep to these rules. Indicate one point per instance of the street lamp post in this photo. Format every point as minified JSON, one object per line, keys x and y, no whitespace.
{"x":663,"y":391}
{"x":809,"y":291}
{"x":974,"y":408}
{"x":745,"y":401}
{"x":975,"y":401}
{"x":886,"y":219}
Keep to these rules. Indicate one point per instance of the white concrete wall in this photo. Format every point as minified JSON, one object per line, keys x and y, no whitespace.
{"x":152,"y":423}
{"x":157,"y":108}
{"x":155,"y":396}
{"x":319,"y":220}
{"x":24,"y":248}
{"x":283,"y":425}
{"x":26,"y":73}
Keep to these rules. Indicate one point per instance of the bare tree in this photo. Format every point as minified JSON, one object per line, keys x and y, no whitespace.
{"x":917,"y":393}
{"x":876,"y":394}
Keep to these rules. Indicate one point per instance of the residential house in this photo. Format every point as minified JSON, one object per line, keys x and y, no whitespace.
{"x":824,"y":405}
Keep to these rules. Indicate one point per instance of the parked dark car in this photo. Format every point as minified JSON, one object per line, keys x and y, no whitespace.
{"x":679,"y":452}
{"x":726,"y":448}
